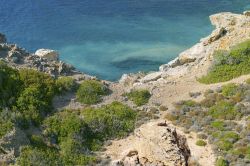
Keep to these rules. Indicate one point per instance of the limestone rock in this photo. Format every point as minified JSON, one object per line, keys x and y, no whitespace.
{"x":246,"y":13}
{"x":2,"y":38}
{"x":191,"y":54}
{"x":48,"y":54}
{"x":151,"y":77}
{"x":216,"y":34}
{"x":155,"y":145}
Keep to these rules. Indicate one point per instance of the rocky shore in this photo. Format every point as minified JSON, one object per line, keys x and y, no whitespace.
{"x":157,"y":141}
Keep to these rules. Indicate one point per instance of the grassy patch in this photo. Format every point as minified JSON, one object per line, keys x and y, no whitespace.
{"x":139,"y":97}
{"x":91,"y":91}
{"x":229,"y":65}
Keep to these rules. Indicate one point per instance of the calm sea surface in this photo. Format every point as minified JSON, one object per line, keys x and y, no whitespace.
{"x":110,"y":37}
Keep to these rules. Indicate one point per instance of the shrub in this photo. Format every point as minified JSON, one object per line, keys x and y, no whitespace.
{"x":6,"y":126}
{"x":65,"y":84}
{"x":218,"y":125}
{"x":229,"y":65}
{"x":221,"y":162}
{"x":44,"y":82}
{"x":201,"y":143}
{"x":10,"y":85}
{"x":224,"y":110}
{"x":113,"y":120}
{"x":33,"y":105}
{"x":229,"y":89}
{"x":91,"y":91}
{"x":139,"y":97}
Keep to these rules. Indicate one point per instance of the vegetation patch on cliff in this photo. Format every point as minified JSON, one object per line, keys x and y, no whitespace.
{"x":222,"y":118}
{"x":91,"y":91}
{"x":139,"y":97}
{"x":229,"y":64}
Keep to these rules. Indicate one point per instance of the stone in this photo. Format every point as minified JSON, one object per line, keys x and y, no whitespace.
{"x":246,"y":13}
{"x":191,"y":54}
{"x":3,"y":38}
{"x":216,"y":34}
{"x":151,"y":77}
{"x":64,"y":68}
{"x":50,"y":55}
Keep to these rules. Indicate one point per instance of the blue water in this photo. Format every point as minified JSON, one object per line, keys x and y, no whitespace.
{"x":110,"y":37}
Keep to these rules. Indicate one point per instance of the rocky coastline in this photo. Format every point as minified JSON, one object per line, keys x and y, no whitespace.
{"x":156,"y":142}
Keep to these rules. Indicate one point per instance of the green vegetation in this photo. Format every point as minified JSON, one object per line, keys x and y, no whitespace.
{"x":222,"y":118}
{"x":139,"y":97}
{"x":229,"y":65}
{"x":91,"y":91}
{"x":201,"y":143}
{"x":77,"y":133}
{"x":221,"y":162}
{"x":66,"y":84}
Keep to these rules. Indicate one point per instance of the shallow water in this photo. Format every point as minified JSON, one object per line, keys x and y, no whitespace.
{"x":110,"y":37}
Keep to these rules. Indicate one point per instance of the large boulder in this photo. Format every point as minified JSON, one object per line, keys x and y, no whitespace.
{"x":152,"y":144}
{"x":2,"y":38}
{"x":50,"y":55}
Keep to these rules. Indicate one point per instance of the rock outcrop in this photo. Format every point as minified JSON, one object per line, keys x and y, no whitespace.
{"x":230,"y":29}
{"x":152,"y":144}
{"x":48,"y":54}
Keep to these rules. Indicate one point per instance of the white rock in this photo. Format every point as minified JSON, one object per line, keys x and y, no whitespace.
{"x":48,"y":54}
{"x":151,"y":77}
{"x":246,"y":13}
{"x":191,"y":54}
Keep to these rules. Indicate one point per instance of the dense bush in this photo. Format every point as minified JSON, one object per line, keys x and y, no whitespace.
{"x":6,"y":123}
{"x":10,"y":85}
{"x":229,"y":65}
{"x":114,"y":120}
{"x":91,"y":91}
{"x":78,"y":132}
{"x":139,"y":97}
{"x":65,"y":84}
{"x":221,"y":162}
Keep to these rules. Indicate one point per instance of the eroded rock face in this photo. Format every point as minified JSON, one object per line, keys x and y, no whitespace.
{"x":48,"y":54}
{"x":153,"y":144}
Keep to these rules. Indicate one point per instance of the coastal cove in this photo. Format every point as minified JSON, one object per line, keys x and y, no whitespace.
{"x":109,"y":38}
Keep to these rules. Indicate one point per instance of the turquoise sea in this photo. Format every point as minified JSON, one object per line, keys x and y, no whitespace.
{"x":110,"y":37}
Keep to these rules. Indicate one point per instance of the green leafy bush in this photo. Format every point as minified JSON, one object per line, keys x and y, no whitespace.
{"x":91,"y":91}
{"x":201,"y":143}
{"x":6,"y":125}
{"x":33,"y":105}
{"x":221,"y":162}
{"x":65,"y":84}
{"x":229,"y":65}
{"x":78,"y":132}
{"x":139,"y":97}
{"x":218,"y":125}
{"x":229,"y":89}
{"x":224,"y":110}
{"x":10,"y":85}
{"x":114,"y":120}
